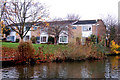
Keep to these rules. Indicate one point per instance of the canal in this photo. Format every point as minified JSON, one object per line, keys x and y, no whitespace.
{"x":108,"y":68}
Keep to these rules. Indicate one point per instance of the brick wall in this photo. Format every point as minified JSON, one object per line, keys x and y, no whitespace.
{"x":101,"y":29}
{"x":74,"y":34}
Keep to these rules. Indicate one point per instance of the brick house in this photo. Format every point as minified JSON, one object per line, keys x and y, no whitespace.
{"x":81,"y":29}
{"x":84,"y":28}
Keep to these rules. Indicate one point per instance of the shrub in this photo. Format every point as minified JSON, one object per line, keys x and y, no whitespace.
{"x":25,"y":51}
{"x":93,"y":38}
{"x":88,"y":40}
{"x":33,"y":39}
{"x":8,"y":53}
{"x":50,"y":39}
{"x":17,"y":40}
{"x":4,"y":39}
{"x":41,"y":57}
{"x":80,"y":52}
{"x":115,"y":48}
{"x":78,"y":40}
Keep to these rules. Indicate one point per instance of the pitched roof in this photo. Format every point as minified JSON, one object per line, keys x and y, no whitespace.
{"x":27,"y":23}
{"x":85,"y":22}
{"x":58,"y":22}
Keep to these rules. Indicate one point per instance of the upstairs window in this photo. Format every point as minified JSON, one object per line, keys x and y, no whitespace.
{"x":11,"y":30}
{"x":73,"y":27}
{"x":43,"y":29}
{"x":86,"y":28}
{"x":35,"y":28}
{"x":27,"y":28}
{"x":27,"y":38}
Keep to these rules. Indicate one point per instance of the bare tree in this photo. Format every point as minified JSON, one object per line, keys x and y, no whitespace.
{"x":2,"y":5}
{"x":73,"y":17}
{"x":109,"y":21}
{"x":21,"y":12}
{"x":2,"y":25}
{"x":57,"y":19}
{"x":111,"y":27}
{"x":56,"y":30}
{"x":58,"y":27}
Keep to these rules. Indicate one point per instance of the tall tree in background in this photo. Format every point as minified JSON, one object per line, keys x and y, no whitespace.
{"x":118,"y":33}
{"x":112,"y":33}
{"x":4,"y":30}
{"x":23,"y":12}
{"x":111,"y":26}
{"x":59,"y":26}
{"x":73,"y":17}
{"x":56,"y":30}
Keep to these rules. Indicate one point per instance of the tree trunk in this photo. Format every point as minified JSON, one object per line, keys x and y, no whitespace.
{"x":21,"y":38}
{"x":55,"y":41}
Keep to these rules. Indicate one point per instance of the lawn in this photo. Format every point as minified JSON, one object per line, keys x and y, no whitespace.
{"x":47,"y":48}
{"x":10,"y":45}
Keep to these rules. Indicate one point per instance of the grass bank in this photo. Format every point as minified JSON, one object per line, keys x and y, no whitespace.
{"x":47,"y":48}
{"x":49,"y":52}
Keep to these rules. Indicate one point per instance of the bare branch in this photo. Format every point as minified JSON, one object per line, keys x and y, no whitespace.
{"x":20,"y":13}
{"x":73,"y":17}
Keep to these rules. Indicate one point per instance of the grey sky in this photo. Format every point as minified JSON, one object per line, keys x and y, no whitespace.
{"x":87,"y":9}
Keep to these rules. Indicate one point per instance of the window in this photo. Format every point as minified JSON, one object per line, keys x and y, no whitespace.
{"x":63,"y":38}
{"x":43,"y":39}
{"x":38,"y":39}
{"x":8,"y":38}
{"x":11,"y":30}
{"x":35,"y":28}
{"x":27,"y":28}
{"x":12,"y":38}
{"x":73,"y":27}
{"x":27,"y":38}
{"x":86,"y":28}
{"x":44,"y":29}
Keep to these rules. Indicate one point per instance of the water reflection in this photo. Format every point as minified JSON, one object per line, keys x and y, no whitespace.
{"x":25,"y":71}
{"x":112,"y":67}
{"x":109,"y":68}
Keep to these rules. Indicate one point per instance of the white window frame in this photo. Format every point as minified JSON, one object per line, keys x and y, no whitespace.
{"x":43,"y":36}
{"x":42,"y":39}
{"x":26,"y":37}
{"x":88,"y":32}
{"x":87,"y":28}
{"x":60,"y":37}
{"x":34,"y":27}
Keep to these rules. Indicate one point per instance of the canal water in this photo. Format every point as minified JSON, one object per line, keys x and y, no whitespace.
{"x":109,"y":68}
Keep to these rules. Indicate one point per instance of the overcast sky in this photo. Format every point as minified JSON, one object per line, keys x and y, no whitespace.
{"x":87,"y":9}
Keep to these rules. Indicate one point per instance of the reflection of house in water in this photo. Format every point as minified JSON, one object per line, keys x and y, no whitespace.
{"x":108,"y":68}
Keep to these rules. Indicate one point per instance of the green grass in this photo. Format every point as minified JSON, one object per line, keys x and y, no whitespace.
{"x":47,"y":48}
{"x":10,"y":45}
